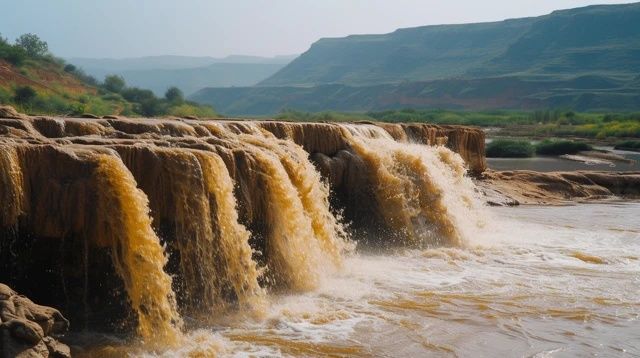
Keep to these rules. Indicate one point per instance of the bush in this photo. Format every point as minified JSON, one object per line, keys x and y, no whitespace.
{"x":628,"y":145}
{"x":12,"y":54}
{"x":560,"y":147}
{"x":135,"y":94}
{"x":24,"y":94}
{"x":506,"y":148}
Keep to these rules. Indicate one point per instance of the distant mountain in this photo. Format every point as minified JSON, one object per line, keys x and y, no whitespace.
{"x":422,"y":53}
{"x":190,"y":80}
{"x":188,"y":73}
{"x":603,"y":39}
{"x":587,"y":58}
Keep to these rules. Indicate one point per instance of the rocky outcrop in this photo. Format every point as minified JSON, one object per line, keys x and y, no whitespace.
{"x":26,"y":329}
{"x":552,"y":188}
{"x":10,"y":112}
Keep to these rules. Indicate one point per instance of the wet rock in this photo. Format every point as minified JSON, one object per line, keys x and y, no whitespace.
{"x":10,"y":112}
{"x":553,"y":188}
{"x":26,"y":328}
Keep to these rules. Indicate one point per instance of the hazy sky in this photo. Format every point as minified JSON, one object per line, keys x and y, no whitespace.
{"x":129,"y":28}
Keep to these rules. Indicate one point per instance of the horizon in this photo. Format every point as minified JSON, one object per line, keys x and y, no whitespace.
{"x":279,"y":34}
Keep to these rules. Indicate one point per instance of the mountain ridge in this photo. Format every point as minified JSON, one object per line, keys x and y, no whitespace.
{"x":538,"y":59}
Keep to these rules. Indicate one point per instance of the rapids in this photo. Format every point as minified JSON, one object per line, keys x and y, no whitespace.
{"x":544,"y":282}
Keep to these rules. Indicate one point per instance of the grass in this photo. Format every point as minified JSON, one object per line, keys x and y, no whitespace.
{"x":507,"y":148}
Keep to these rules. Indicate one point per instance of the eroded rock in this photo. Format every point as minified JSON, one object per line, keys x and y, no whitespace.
{"x":553,"y":188}
{"x":26,"y":328}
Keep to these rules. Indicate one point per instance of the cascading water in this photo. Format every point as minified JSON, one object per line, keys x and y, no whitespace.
{"x":11,"y":186}
{"x":123,"y":216}
{"x":235,"y":273}
{"x":198,"y":188}
{"x":422,"y":191}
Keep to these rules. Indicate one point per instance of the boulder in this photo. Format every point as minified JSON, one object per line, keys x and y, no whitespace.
{"x":27,"y":329}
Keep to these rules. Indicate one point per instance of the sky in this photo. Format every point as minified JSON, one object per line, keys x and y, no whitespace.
{"x":133,"y":28}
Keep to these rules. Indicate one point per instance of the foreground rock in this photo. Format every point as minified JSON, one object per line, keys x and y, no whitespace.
{"x":555,"y":188}
{"x":26,"y":328}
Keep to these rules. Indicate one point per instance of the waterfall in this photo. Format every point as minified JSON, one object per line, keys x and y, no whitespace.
{"x":422,"y":191}
{"x":235,"y":272}
{"x":11,"y":186}
{"x":206,"y":216}
{"x":123,"y":216}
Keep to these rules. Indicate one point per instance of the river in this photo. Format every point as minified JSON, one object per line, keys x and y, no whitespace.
{"x":536,"y":281}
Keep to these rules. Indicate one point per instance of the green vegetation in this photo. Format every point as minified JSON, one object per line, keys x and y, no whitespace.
{"x":40,"y":83}
{"x":560,"y":147}
{"x":296,"y":116}
{"x":628,"y":145}
{"x":551,"y":123}
{"x":510,"y":148}
{"x":507,"y":148}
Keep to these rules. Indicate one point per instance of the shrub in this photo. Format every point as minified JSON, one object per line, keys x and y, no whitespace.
{"x":12,"y":54}
{"x":506,"y":148}
{"x":70,"y":68}
{"x":24,"y":94}
{"x":628,"y":145}
{"x":135,"y":94}
{"x":560,"y":147}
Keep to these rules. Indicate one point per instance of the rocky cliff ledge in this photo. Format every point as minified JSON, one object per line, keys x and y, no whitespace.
{"x":553,"y":188}
{"x":26,"y":328}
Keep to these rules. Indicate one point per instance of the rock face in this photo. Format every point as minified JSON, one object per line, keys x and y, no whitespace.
{"x":26,"y":328}
{"x":529,"y":187}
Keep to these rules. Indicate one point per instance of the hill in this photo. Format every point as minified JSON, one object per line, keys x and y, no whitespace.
{"x":36,"y":82}
{"x":604,"y":39}
{"x":185,"y":72}
{"x":586,"y":59}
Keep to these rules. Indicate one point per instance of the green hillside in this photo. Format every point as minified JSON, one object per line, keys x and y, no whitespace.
{"x":35,"y":82}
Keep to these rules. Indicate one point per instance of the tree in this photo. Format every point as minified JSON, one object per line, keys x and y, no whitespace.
{"x":70,"y":68}
{"x":24,"y":94}
{"x":32,"y":44}
{"x":174,"y":95}
{"x":114,"y":83}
